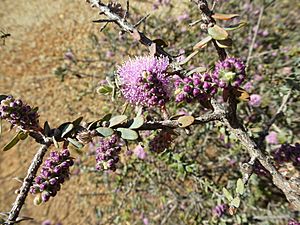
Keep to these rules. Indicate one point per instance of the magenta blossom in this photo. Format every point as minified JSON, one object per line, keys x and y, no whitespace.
{"x":255,"y":100}
{"x":144,"y":81}
{"x":272,"y":138}
{"x":139,"y":152}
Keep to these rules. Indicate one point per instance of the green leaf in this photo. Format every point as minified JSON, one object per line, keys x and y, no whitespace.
{"x":117,"y":120}
{"x":105,"y":131}
{"x":137,"y":122}
{"x":224,"y":43}
{"x":217,"y":33}
{"x":202,"y":43}
{"x":2,"y":97}
{"x":236,"y":26}
{"x":240,"y":188}
{"x":47,"y":129}
{"x":236,"y":202}
{"x":67,"y":129}
{"x":93,"y":125}
{"x":128,"y":134}
{"x":227,"y":194}
{"x":12,"y":142}
{"x":75,"y":143}
{"x":77,"y":121}
{"x":107,"y":117}
{"x":22,"y":136}
{"x":186,"y":121}
{"x":104,"y":90}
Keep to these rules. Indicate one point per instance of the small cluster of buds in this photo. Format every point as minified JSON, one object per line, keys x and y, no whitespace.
{"x":288,"y":153}
{"x":161,"y":141}
{"x":54,"y":172}
{"x":19,"y":114}
{"x":197,"y":87}
{"x":231,"y":71}
{"x":107,"y":154}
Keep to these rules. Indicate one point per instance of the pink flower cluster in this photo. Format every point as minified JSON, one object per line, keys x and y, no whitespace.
{"x":144,"y":81}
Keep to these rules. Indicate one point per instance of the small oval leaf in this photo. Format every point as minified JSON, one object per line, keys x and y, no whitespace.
{"x":12,"y":142}
{"x":77,"y":121}
{"x":22,"y":136}
{"x":47,"y":129}
{"x":221,"y":16}
{"x":224,"y":43}
{"x":217,"y":33}
{"x":202,"y":43}
{"x":104,"y":90}
{"x":105,"y":131}
{"x":227,"y":194}
{"x":128,"y":134}
{"x":240,"y":188}
{"x":2,"y":97}
{"x":137,"y":122}
{"x":75,"y":143}
{"x":186,"y":121}
{"x":117,"y":120}
{"x":236,"y":202}
{"x":67,"y":129}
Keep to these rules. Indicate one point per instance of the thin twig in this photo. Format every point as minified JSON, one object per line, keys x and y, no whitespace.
{"x":127,"y":27}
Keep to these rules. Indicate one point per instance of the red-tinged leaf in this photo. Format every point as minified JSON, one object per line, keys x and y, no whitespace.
{"x":202,"y":43}
{"x":241,"y":94}
{"x":217,"y":33}
{"x":220,"y":16}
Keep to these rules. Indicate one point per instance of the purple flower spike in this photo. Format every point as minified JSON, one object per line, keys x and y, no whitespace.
{"x":107,"y":154}
{"x":54,"y":172}
{"x":144,"y":81}
{"x":230,"y":71}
